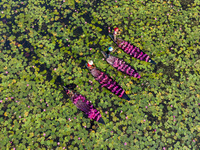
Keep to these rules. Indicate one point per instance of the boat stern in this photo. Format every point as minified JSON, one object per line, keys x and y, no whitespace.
{"x":104,"y":54}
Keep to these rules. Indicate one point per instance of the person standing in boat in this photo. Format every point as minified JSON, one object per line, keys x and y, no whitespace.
{"x":115,"y":33}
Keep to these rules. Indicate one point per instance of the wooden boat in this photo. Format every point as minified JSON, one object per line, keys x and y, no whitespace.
{"x":131,"y":50}
{"x":84,"y":105}
{"x":121,"y":65}
{"x":107,"y":82}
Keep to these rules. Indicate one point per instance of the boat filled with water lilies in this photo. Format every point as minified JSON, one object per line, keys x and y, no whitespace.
{"x":131,"y":49}
{"x":106,"y":81}
{"x":84,"y":105}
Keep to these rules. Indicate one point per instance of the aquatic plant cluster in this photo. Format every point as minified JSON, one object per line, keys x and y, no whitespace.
{"x":45,"y":45}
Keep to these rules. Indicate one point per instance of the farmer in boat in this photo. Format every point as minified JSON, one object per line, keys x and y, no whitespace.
{"x":110,"y":50}
{"x":115,"y":33}
{"x":90,"y":65}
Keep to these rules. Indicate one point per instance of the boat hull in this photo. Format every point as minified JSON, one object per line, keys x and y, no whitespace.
{"x":132,"y":50}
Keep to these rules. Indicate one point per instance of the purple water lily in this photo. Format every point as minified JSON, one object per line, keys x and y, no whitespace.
{"x":84,"y":105}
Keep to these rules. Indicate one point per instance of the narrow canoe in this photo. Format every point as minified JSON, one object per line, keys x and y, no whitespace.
{"x":132,"y":50}
{"x":108,"y":83}
{"x":121,"y":65}
{"x":84,"y":105}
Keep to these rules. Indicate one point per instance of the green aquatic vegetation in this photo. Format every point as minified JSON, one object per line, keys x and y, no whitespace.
{"x":41,"y":41}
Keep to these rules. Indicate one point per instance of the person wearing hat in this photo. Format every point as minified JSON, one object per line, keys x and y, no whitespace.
{"x":115,"y":33}
{"x":90,"y":65}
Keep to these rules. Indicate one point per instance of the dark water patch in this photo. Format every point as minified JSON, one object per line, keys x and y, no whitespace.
{"x":77,"y":32}
{"x":168,"y":70}
{"x":43,"y":30}
{"x":185,"y":4}
{"x":150,"y":117}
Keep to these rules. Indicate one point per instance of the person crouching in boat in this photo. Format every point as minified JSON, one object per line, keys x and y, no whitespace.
{"x":115,"y":33}
{"x":90,"y":65}
{"x":110,"y":50}
{"x":92,"y":68}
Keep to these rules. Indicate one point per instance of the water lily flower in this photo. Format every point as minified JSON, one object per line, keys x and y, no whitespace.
{"x":44,"y":110}
{"x":1,"y":101}
{"x":19,"y":116}
{"x":146,"y":107}
{"x":44,"y":134}
{"x":144,"y":120}
{"x":106,"y":112}
{"x":155,"y":130}
{"x":58,"y":143}
{"x":171,"y":105}
{"x":54,"y":69}
{"x":74,"y":117}
{"x":125,"y":143}
{"x":6,"y":72}
{"x":163,"y":148}
{"x":79,"y":138}
{"x":27,"y":85}
{"x":69,"y":119}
